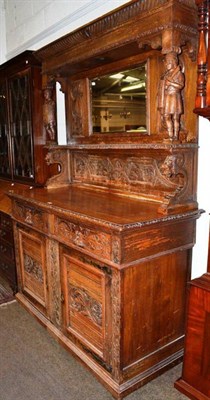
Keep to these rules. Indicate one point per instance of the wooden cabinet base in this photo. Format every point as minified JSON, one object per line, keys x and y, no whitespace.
{"x":195,"y":380}
{"x":190,"y":391}
{"x":118,"y":391}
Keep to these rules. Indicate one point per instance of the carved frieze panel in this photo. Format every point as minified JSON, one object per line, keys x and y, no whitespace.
{"x":136,"y":174}
{"x":82,"y":237}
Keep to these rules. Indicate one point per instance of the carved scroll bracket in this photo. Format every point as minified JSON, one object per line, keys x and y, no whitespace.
{"x":62,"y":158}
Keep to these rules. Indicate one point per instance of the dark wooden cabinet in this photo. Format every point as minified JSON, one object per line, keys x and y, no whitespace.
{"x":7,"y":259}
{"x":22,"y":140}
{"x":104,"y":250}
{"x":106,"y":289}
{"x":21,"y":127}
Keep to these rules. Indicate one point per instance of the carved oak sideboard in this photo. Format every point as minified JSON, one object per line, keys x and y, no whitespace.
{"x":104,"y":250}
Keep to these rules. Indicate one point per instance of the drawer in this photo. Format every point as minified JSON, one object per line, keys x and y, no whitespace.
{"x":30,"y":216}
{"x":89,"y":239}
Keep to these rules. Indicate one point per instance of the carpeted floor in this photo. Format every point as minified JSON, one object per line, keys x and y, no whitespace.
{"x":33,"y":366}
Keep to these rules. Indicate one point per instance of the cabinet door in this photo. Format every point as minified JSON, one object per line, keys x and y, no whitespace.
{"x":21,"y":126}
{"x":32,"y":258}
{"x":86,"y":304}
{"x":5,"y":168}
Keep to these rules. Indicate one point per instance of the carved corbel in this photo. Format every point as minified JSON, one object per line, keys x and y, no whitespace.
{"x":62,"y":158}
{"x":155,"y":42}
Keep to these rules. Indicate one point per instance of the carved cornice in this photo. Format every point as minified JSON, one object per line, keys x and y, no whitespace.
{"x":134,"y":12}
{"x":101,"y":26}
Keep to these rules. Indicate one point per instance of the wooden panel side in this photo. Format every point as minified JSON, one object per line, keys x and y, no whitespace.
{"x":157,"y":318}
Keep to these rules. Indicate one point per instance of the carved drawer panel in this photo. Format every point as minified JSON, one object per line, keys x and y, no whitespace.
{"x":86,"y":300}
{"x":33,"y":267}
{"x":30,"y":216}
{"x":89,"y":239}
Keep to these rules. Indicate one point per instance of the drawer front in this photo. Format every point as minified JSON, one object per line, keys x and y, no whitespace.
{"x":86,"y":304}
{"x":93,"y":241}
{"x":31,"y":216}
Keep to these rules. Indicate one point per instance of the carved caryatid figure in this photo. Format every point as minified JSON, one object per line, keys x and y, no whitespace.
{"x":49,"y":113}
{"x":169,"y":96}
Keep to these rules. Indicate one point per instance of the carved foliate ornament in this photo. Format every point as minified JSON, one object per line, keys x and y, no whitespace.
{"x":81,"y":302}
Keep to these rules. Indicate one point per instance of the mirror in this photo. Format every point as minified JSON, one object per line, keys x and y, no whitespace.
{"x":119,"y":101}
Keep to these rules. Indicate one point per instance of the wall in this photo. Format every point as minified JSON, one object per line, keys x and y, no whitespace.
{"x":31,"y":24}
{"x":201,"y":248}
{"x":2,"y":33}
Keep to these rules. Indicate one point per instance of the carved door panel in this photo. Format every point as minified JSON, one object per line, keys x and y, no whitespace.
{"x":33,"y":277}
{"x":86,"y":304}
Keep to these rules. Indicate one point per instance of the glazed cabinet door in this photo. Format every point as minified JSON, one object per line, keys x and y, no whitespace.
{"x":21,"y":126}
{"x":86,"y":304}
{"x":32,"y":267}
{"x":5,"y":167}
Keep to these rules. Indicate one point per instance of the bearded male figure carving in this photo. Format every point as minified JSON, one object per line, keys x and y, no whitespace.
{"x":169,"y":97}
{"x":49,"y":113}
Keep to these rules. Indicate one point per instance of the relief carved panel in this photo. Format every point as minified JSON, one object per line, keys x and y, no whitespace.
{"x":96,"y":242}
{"x":81,"y":301}
{"x":137,"y":173}
{"x":33,"y":267}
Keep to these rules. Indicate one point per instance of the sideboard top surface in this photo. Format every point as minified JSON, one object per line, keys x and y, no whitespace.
{"x":108,"y":209}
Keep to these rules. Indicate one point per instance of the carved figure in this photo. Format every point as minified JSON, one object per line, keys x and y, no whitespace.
{"x":49,"y":118}
{"x":169,"y":96}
